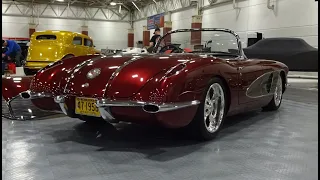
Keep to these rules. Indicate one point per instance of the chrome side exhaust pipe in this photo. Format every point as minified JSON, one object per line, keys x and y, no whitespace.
{"x":25,"y":95}
{"x":32,"y":95}
{"x":151,"y":108}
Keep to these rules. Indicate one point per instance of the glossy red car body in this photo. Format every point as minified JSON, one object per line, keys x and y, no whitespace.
{"x":156,"y":79}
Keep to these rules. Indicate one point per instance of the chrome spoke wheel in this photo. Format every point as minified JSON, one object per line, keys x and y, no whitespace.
{"x":214,"y":107}
{"x":278,"y":92}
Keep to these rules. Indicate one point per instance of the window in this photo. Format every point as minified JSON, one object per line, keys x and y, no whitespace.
{"x":46,"y":37}
{"x":88,"y":42}
{"x":77,"y":41}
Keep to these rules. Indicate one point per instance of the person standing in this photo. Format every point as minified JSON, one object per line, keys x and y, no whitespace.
{"x":155,"y":37}
{"x":13,"y":51}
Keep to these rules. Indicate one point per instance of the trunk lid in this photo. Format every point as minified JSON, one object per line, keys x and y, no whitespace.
{"x":136,"y":74}
{"x":128,"y":79}
{"x":80,"y":85}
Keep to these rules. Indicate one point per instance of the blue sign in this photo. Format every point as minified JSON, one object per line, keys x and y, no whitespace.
{"x":154,"y":21}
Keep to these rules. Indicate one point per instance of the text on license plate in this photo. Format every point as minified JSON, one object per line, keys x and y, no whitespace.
{"x":86,"y":106}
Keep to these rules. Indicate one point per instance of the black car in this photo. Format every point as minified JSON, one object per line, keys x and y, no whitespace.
{"x":297,"y":54}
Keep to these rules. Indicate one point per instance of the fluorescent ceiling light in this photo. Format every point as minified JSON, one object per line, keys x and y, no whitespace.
{"x":113,"y":3}
{"x":135,"y":6}
{"x":60,"y":0}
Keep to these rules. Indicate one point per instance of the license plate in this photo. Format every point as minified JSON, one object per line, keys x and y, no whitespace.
{"x":86,"y":106}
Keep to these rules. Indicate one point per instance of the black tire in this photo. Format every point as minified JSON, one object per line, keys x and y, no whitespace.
{"x":198,"y":126}
{"x":273,"y":105}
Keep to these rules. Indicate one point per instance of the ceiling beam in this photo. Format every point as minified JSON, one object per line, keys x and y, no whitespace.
{"x":73,"y":18}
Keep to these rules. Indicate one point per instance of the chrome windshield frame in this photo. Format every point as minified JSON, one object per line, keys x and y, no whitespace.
{"x":242,"y":55}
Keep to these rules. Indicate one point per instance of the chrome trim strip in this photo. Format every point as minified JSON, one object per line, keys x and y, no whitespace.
{"x":102,"y":104}
{"x":77,"y":68}
{"x":174,"y":106}
{"x":117,"y":71}
{"x":172,"y":68}
{"x":258,"y":78}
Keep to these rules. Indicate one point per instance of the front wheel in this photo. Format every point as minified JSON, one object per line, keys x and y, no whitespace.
{"x":211,"y":111}
{"x":275,"y":103}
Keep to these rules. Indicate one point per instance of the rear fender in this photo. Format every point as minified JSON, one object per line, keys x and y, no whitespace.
{"x":12,"y":86}
{"x":187,"y":85}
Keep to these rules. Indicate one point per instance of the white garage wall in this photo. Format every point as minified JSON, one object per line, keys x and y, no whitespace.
{"x":105,"y":34}
{"x":290,"y":18}
{"x":15,"y":26}
{"x":182,"y":19}
{"x":111,"y":35}
{"x":138,"y":30}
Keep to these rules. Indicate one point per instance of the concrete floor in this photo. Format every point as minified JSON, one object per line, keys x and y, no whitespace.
{"x":280,"y":145}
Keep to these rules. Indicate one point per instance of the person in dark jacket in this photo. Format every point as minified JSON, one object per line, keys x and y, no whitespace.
{"x":13,"y":51}
{"x":153,"y":40}
{"x":155,"y":37}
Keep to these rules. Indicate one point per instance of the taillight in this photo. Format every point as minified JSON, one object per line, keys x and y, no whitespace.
{"x":175,"y":70}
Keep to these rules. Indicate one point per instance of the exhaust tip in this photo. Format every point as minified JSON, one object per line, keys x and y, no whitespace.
{"x":25,"y":95}
{"x":150,"y":108}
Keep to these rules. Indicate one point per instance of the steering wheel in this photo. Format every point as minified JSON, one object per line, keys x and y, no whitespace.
{"x":174,"y":48}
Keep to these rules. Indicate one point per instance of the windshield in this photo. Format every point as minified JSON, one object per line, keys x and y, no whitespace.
{"x":199,"y":41}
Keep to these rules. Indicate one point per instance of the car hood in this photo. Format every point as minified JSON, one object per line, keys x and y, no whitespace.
{"x":120,"y":76}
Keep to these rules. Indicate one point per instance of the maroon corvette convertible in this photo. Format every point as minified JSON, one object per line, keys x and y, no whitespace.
{"x":185,"y":82}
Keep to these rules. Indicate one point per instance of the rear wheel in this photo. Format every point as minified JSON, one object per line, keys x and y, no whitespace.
{"x":275,"y":103}
{"x":211,"y":111}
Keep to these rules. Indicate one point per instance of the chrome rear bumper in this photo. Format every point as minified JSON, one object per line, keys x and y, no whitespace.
{"x":104,"y":105}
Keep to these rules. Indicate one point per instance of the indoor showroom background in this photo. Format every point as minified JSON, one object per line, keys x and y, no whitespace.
{"x":290,"y":18}
{"x":195,"y":106}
